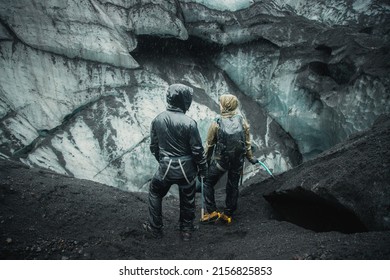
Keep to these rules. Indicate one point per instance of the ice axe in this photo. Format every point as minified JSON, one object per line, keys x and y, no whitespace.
{"x":266,"y":168}
{"x":242,"y":175}
{"x":202,"y":200}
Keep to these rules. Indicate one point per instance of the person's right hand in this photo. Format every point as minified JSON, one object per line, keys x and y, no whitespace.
{"x":202,"y":174}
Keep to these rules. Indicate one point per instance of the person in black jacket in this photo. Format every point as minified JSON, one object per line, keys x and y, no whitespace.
{"x":177,"y":146}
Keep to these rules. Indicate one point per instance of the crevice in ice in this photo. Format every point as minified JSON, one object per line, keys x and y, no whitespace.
{"x":9,"y":29}
{"x":44,"y":133}
{"x":110,"y":4}
{"x":179,"y":12}
{"x":132,"y":148}
{"x":9,"y":114}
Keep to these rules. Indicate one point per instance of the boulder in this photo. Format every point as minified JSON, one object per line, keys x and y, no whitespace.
{"x":346,"y":188}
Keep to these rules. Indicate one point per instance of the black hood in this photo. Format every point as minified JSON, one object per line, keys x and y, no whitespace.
{"x":179,"y":96}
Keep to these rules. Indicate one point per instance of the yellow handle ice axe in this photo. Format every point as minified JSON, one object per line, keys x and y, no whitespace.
{"x":202,"y":203}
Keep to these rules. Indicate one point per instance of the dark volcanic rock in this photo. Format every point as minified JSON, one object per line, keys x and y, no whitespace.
{"x":347,"y":188}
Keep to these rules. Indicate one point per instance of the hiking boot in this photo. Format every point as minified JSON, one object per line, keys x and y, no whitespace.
{"x":226,"y":219}
{"x":186,"y":236}
{"x":210,"y":217}
{"x":153,"y":233}
{"x":179,"y":227}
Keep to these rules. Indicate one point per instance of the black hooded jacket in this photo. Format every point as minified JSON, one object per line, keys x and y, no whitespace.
{"x":175,"y":135}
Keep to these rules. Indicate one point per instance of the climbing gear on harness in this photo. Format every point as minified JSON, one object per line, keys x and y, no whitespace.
{"x":178,"y":167}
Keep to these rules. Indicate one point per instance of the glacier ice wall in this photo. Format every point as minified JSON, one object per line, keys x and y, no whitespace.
{"x":317,"y":67}
{"x":91,"y":120}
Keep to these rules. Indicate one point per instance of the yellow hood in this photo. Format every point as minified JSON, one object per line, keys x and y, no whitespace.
{"x":229,"y":103}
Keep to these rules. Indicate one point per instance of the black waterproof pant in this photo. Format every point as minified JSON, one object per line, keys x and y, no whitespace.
{"x":215,"y":172}
{"x":158,"y":189}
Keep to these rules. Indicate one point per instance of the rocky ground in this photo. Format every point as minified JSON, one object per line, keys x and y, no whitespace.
{"x":44,"y":215}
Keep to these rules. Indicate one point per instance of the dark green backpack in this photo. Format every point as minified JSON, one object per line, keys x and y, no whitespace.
{"x":231,"y":137}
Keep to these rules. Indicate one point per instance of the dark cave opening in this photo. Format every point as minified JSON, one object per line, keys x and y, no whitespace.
{"x":194,"y":46}
{"x":319,"y":68}
{"x":312,"y":212}
{"x":324,"y":49}
{"x":343,"y":71}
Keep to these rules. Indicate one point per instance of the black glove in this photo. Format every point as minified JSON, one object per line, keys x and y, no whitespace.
{"x":203,"y":171}
{"x":253,"y":160}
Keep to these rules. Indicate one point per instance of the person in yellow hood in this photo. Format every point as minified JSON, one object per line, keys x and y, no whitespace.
{"x":227,"y":145}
